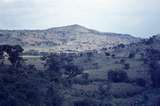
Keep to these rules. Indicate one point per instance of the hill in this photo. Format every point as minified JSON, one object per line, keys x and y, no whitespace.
{"x":66,"y":38}
{"x":126,"y":75}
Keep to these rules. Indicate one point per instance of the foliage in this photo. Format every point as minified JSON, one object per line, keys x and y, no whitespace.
{"x":126,"y":66}
{"x":19,"y":87}
{"x":121,"y":45}
{"x":85,"y":102}
{"x":107,"y":54}
{"x":117,"y":76}
{"x":140,"y":82}
{"x":61,"y":68}
{"x":113,"y":55}
{"x":131,"y":55}
{"x":122,"y":61}
{"x":14,"y":53}
{"x":153,"y":58}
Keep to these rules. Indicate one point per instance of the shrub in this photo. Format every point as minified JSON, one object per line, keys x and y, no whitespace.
{"x":122,"y":61}
{"x":72,"y":70}
{"x":126,"y":66}
{"x":121,"y":45}
{"x":113,"y":55}
{"x":107,"y":54}
{"x":117,"y":76}
{"x":18,"y":88}
{"x":149,"y":41}
{"x":140,"y":82}
{"x":57,"y":62}
{"x":85,"y":76}
{"x":155,"y":73}
{"x":86,"y":102}
{"x":14,"y":53}
{"x":131,"y":55}
{"x":153,"y":54}
{"x":153,"y":57}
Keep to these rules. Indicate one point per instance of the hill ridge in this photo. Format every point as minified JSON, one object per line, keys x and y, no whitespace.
{"x":73,"y":37}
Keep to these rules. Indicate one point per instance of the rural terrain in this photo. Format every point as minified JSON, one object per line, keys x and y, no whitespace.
{"x":77,"y":66}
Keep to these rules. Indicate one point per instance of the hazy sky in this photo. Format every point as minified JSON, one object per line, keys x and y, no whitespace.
{"x":136,"y":17}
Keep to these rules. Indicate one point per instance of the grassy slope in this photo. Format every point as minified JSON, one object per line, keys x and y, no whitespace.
{"x":98,"y":65}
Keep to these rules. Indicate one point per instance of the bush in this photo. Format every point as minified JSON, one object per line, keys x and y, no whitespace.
{"x":155,"y":74}
{"x":14,"y":53}
{"x":19,"y":88}
{"x":126,"y":66}
{"x":149,"y":41}
{"x":141,"y":82}
{"x":131,"y":55}
{"x":72,"y":70}
{"x":121,"y":45}
{"x":113,"y":55}
{"x":117,"y":76}
{"x":85,"y":76}
{"x":86,"y":102}
{"x":107,"y":54}
{"x":153,"y":54}
{"x":153,"y":57}
{"x":81,"y":103}
{"x":122,"y":61}
{"x":82,"y":79}
{"x":57,"y":62}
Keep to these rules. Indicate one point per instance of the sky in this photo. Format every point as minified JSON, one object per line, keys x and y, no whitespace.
{"x":139,"y":18}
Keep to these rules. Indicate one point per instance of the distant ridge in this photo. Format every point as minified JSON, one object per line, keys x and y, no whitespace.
{"x":72,"y":37}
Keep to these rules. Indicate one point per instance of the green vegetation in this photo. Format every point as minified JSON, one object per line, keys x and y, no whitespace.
{"x":125,"y":76}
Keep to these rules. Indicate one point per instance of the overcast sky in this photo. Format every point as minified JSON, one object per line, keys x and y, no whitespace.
{"x":136,"y":17}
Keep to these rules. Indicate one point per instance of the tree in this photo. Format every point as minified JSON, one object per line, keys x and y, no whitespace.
{"x":19,"y":88}
{"x":126,"y":66}
{"x":131,"y":55}
{"x":117,"y":76}
{"x":155,"y":73}
{"x":72,"y":70}
{"x":113,"y":55}
{"x":107,"y":54}
{"x":140,"y":82}
{"x":14,"y":53}
{"x":60,"y":65}
{"x":122,"y":61}
{"x":121,"y":45}
{"x":85,"y":102}
{"x":150,"y":40}
{"x":153,"y":58}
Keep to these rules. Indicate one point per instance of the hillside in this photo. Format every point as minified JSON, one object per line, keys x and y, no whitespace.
{"x":126,"y":75}
{"x":67,"y":38}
